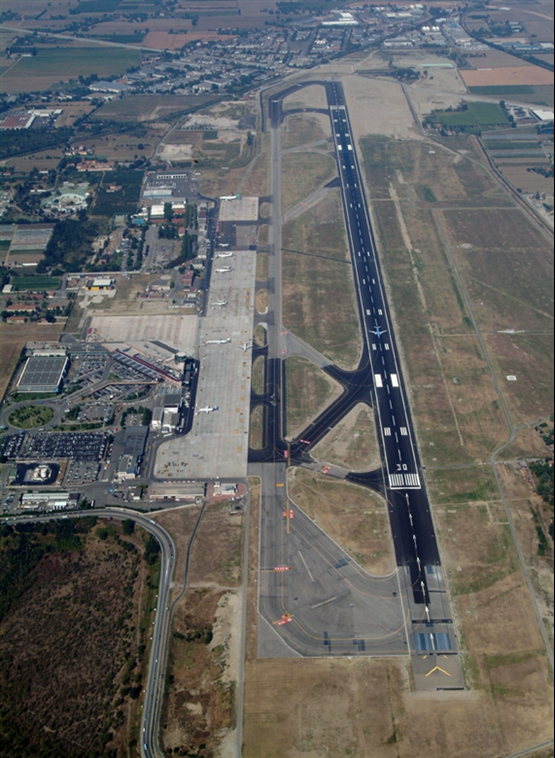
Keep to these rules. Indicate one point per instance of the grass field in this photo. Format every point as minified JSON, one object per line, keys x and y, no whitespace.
{"x":319,"y":302}
{"x":308,"y":391}
{"x":143,"y":108}
{"x":353,"y":443}
{"x":503,"y":89}
{"x":36,"y":283}
{"x":476,"y":116}
{"x":256,"y":428}
{"x":31,"y":416}
{"x":60,"y":64}
{"x":302,"y":174}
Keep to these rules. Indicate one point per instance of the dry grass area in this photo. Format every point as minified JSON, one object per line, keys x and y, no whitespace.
{"x":216,"y":553}
{"x":121,"y":147}
{"x":353,"y":443}
{"x":309,"y":390}
{"x":313,"y":96}
{"x":261,"y":301}
{"x":256,"y":428}
{"x":319,"y":299}
{"x":43,"y":160}
{"x":302,"y":174}
{"x":13,"y":338}
{"x":258,"y":381}
{"x":304,"y":128}
{"x":506,"y":270}
{"x":262,"y":266}
{"x":354,"y":517}
{"x":200,"y":706}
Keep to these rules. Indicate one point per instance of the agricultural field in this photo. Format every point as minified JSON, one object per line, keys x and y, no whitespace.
{"x":507,"y":76}
{"x":319,"y":296}
{"x":35,"y":283}
{"x":53,"y":65}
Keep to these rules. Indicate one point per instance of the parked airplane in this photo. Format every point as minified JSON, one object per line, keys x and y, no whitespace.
{"x":225,"y":270}
{"x":217,"y":342}
{"x":378,"y":331}
{"x":227,"y":198}
{"x":245,"y":346}
{"x":220,"y":303}
{"x":208,"y":409}
{"x":224,"y":255}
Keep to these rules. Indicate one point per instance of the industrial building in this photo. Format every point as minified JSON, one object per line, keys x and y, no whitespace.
{"x":43,"y":374}
{"x":49,"y":501}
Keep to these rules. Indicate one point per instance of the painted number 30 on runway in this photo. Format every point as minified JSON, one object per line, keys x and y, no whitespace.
{"x":402,"y":467}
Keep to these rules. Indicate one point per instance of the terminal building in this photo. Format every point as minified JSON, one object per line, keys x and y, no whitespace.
{"x":43,"y":374}
{"x":49,"y":501}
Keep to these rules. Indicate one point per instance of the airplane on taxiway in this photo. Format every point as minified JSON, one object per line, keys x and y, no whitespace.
{"x":245,"y":346}
{"x":378,"y":331}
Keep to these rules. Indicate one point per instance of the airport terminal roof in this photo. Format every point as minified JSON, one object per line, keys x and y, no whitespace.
{"x":42,"y":374}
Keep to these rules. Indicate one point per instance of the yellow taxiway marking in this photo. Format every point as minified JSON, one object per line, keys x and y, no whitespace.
{"x":437,"y":668}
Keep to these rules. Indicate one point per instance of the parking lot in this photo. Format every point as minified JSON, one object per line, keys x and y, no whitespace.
{"x":78,"y":446}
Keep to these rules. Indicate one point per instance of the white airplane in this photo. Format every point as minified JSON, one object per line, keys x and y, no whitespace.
{"x":220,"y":304}
{"x":217,"y":342}
{"x":227,"y":198}
{"x":378,"y":331}
{"x":225,"y":270}
{"x":223,"y":244}
{"x":208,"y":409}
{"x":224,"y":255}
{"x":245,"y":346}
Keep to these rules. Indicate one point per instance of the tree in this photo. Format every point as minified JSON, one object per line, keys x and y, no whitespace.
{"x":128,"y":527}
{"x":168,"y":212}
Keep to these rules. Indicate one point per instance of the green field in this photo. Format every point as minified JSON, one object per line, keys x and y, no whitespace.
{"x":503,"y":89}
{"x":60,"y":64}
{"x":31,"y":416}
{"x":475,"y":117}
{"x":36,"y":282}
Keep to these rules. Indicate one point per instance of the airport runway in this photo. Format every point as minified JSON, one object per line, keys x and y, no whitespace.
{"x":331,"y":612}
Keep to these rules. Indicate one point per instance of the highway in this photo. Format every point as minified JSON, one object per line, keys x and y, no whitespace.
{"x":154,"y":690}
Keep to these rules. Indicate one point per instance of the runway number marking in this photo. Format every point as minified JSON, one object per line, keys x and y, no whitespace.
{"x":387,"y":431}
{"x":404,"y":431}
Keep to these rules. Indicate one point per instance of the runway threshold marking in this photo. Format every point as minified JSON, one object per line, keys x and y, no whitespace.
{"x":438,"y":668}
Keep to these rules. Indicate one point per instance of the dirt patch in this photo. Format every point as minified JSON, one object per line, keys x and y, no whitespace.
{"x":309,"y":390}
{"x":256,"y":428}
{"x":179,"y":522}
{"x":353,"y":443}
{"x":302,"y":129}
{"x":216,"y":553}
{"x":507,"y":75}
